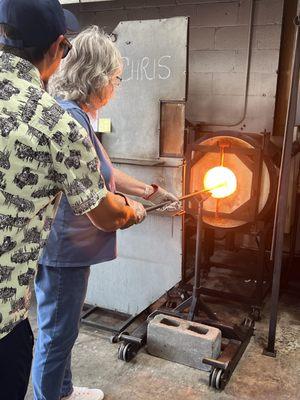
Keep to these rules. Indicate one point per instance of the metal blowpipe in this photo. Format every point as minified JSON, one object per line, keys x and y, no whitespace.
{"x":187,"y":196}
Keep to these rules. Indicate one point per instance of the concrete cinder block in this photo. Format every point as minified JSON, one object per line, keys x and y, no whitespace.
{"x":202,"y":38}
{"x":268,"y":12}
{"x":232,"y":38}
{"x":225,"y":110}
{"x":200,"y":83}
{"x":182,"y":341}
{"x":215,"y":109}
{"x":244,"y":12}
{"x":263,"y":84}
{"x":267,"y":37}
{"x":263,"y":61}
{"x":229,"y":83}
{"x":212,"y":61}
{"x":217,"y":14}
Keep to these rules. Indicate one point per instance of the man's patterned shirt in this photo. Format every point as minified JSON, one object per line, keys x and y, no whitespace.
{"x":43,"y":151}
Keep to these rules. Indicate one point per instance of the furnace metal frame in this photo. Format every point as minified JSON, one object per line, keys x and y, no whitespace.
{"x":257,"y":224}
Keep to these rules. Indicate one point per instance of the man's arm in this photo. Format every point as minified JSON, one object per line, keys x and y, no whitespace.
{"x":112,"y":214}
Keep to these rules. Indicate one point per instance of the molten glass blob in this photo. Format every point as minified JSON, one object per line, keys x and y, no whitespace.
{"x":220,"y":181}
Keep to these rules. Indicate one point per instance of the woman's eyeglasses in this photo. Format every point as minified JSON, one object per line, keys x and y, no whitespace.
{"x":116,"y":81}
{"x":67,"y":46}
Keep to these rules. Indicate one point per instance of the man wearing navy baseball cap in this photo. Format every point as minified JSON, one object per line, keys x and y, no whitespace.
{"x":36,"y":29}
{"x":43,"y":152}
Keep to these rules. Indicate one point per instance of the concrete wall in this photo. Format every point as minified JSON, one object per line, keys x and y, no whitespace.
{"x":218,"y":54}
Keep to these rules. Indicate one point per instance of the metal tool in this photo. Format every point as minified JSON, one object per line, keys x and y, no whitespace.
{"x":187,"y":196}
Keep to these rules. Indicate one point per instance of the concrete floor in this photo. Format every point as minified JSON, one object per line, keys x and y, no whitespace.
{"x":257,"y":377}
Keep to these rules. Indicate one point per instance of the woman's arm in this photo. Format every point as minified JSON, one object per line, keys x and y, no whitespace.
{"x":132,"y":186}
{"x":129,"y":185}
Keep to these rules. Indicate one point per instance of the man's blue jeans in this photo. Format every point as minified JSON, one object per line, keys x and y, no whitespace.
{"x":60,"y":294}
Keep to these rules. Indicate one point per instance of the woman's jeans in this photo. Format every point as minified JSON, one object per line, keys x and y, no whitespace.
{"x":60,"y":294}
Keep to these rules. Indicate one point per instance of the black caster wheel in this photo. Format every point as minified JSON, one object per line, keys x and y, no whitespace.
{"x":127,"y":351}
{"x":215,"y":378}
{"x":248,"y":322}
{"x":117,"y":338}
{"x":255,"y":314}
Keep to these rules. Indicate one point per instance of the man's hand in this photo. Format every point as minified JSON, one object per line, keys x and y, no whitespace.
{"x":139,"y":210}
{"x":113,"y":213}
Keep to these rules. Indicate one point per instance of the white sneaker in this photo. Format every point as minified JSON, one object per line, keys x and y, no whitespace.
{"x":83,"y":393}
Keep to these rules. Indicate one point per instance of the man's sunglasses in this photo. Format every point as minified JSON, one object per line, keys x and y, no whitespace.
{"x":67,"y":46}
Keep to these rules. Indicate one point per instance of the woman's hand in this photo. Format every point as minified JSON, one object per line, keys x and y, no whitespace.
{"x":160,"y":195}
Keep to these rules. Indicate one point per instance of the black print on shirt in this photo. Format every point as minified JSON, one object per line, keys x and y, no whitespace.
{"x":8,"y":124}
{"x":6,"y":61}
{"x":73,"y":161}
{"x":32,"y":236}
{"x":24,"y":67}
{"x":80,"y":207}
{"x":4,"y":159}
{"x":26,"y":177}
{"x":79,"y":186}
{"x":28,"y":110}
{"x":8,"y":328}
{"x":17,"y":201}
{"x":5,"y":273}
{"x":58,"y":138}
{"x":52,"y":115}
{"x":93,"y":165}
{"x":17,"y":305}
{"x":2,"y":181}
{"x":7,"y":293}
{"x":42,"y":139}
{"x":7,"y":89}
{"x":24,"y":279}
{"x":87,"y":143}
{"x":7,"y":245}
{"x":74,"y":134}
{"x":46,"y":191}
{"x":55,"y":176}
{"x":8,"y":222}
{"x":60,"y":157}
{"x":25,"y":152}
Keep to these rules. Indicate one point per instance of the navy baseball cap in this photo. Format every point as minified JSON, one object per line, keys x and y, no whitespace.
{"x":39,"y":22}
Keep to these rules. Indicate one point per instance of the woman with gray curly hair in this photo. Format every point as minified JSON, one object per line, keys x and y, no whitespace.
{"x":85,"y":82}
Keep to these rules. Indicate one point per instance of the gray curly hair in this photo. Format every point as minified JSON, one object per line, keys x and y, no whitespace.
{"x":88,"y":68}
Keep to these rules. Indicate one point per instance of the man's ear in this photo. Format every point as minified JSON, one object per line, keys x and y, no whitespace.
{"x":56,"y":49}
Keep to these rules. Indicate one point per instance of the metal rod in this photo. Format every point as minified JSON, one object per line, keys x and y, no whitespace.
{"x":198,"y":255}
{"x":187,"y":196}
{"x":282,"y":194}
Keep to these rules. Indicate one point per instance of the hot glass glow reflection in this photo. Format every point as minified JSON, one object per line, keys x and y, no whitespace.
{"x":223,"y":178}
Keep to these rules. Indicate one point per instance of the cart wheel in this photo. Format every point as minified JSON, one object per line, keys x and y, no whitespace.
{"x":215,"y":378}
{"x":127,"y":351}
{"x":114,"y":339}
{"x":117,"y":338}
{"x":255,"y":314}
{"x":248,"y":322}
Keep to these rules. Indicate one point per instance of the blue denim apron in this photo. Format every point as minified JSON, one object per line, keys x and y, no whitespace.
{"x":73,"y":240}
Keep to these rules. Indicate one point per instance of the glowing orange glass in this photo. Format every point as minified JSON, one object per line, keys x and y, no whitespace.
{"x":222,"y":182}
